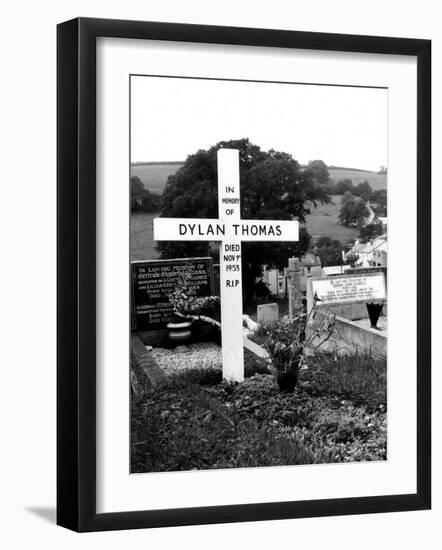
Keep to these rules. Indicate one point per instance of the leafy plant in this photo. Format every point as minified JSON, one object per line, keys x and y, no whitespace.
{"x":187,"y":303}
{"x":286,"y":342}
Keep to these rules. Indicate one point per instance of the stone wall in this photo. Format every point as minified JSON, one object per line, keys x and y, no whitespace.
{"x":351,"y":311}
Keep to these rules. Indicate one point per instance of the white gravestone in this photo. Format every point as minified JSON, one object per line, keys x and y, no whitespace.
{"x":349,"y":289}
{"x":267,"y":313}
{"x":230,"y":230}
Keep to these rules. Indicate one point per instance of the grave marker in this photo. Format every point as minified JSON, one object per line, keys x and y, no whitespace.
{"x":341,"y":291}
{"x":230,"y":230}
{"x":294,"y":287}
{"x":154,"y":280}
{"x":267,"y":313}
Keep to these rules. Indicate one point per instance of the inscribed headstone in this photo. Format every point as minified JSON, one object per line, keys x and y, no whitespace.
{"x":152,"y":283}
{"x":267,"y":313}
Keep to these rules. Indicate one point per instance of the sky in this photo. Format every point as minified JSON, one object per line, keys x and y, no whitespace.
{"x":174,"y":117}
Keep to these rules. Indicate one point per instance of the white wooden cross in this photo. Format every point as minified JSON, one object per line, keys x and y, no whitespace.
{"x":230,"y":230}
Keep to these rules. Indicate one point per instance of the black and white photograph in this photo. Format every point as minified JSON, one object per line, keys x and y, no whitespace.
{"x":220,"y":228}
{"x":258,"y":261}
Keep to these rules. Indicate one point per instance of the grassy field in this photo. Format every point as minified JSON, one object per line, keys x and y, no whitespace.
{"x":154,"y":176}
{"x":377,"y":181}
{"x":323,"y":222}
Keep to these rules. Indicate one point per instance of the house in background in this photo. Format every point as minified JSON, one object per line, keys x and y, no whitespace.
{"x":370,"y":254}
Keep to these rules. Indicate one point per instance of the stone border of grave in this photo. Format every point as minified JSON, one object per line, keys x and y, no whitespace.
{"x":350,"y":338}
{"x":145,"y":373}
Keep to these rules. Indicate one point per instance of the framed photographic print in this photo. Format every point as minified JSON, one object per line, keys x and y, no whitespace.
{"x":243,"y":274}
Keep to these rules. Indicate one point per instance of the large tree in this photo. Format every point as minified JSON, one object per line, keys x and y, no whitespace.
{"x":329,"y":250}
{"x":353,"y":210}
{"x":141,"y":199}
{"x":318,"y":169}
{"x":343,"y":186}
{"x":273,"y":186}
{"x":379,"y":202}
{"x":363,"y":190}
{"x":136,"y":192}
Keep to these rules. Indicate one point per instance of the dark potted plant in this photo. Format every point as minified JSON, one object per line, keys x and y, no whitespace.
{"x":286,"y":342}
{"x":188,"y":308}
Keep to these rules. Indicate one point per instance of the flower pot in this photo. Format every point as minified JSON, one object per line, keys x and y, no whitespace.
{"x":286,"y":380}
{"x":374,"y":312}
{"x":180,"y":331}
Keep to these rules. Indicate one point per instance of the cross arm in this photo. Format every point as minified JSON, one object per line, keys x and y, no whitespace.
{"x":193,"y":229}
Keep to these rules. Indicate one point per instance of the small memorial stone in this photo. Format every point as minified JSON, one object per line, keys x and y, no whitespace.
{"x":267,"y":313}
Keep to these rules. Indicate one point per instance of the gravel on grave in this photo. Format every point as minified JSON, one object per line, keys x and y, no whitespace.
{"x":365,"y":323}
{"x":203,"y":355}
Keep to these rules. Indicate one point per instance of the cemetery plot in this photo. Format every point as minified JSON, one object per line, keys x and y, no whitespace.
{"x":195,"y":422}
{"x":230,"y":230}
{"x":290,"y":407}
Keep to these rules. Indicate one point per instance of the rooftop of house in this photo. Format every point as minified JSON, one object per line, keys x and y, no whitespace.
{"x":310,"y":259}
{"x":379,"y":242}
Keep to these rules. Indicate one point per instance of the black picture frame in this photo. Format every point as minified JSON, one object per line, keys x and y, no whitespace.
{"x":76,"y":272}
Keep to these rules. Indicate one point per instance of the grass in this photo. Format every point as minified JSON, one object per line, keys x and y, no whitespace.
{"x":336,"y":414}
{"x":357,"y":378}
{"x":324,"y":221}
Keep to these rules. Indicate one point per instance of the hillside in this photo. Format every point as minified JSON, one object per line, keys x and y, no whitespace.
{"x":377,"y":181}
{"x":154,"y":175}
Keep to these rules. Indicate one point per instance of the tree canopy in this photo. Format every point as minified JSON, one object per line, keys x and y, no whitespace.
{"x":319,"y":171}
{"x":342,"y":186}
{"x":353,"y":210}
{"x":273,"y":186}
{"x":142,"y":199}
{"x":370,"y":231}
{"x":379,"y":202}
{"x":329,"y":251}
{"x":363,"y":190}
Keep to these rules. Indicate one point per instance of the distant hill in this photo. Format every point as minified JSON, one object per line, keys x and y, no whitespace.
{"x":154,"y":175}
{"x":377,"y":181}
